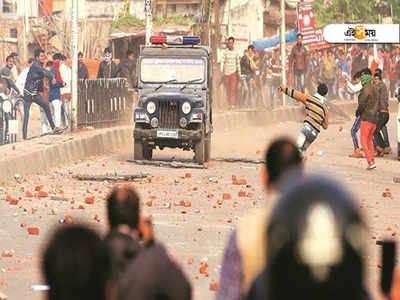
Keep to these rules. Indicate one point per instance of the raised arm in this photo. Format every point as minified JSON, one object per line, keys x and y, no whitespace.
{"x":294,"y":94}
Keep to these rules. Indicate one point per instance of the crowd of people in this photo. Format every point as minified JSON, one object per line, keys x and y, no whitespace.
{"x":309,"y":234}
{"x":46,"y":80}
{"x":251,"y":80}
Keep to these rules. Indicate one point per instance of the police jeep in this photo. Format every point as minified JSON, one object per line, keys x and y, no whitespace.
{"x":174,"y":104}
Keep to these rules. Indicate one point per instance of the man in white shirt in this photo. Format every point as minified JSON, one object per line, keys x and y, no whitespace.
{"x":20,"y":83}
{"x":66,"y":75}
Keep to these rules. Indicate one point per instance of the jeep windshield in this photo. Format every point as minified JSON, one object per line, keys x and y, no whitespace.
{"x":176,"y":70}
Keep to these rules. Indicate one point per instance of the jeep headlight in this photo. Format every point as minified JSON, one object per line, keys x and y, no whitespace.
{"x":7,"y":106}
{"x":151,"y":107}
{"x":186,"y":108}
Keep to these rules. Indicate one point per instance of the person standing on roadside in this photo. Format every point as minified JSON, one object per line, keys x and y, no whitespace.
{"x":383,"y":146}
{"x":368,"y":108}
{"x":55,"y":89}
{"x":83,"y":72}
{"x":107,"y":68}
{"x":33,"y":88}
{"x":298,"y":63}
{"x":328,"y":72}
{"x":66,"y":92}
{"x":126,"y":68}
{"x":230,"y":69}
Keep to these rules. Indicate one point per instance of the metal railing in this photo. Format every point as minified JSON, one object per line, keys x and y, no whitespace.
{"x":104,"y":102}
{"x":8,"y":119}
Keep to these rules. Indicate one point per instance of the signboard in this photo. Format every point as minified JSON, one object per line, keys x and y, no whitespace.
{"x":312,"y":37}
{"x":241,"y":33}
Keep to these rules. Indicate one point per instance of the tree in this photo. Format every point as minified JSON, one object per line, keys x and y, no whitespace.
{"x":349,"y":11}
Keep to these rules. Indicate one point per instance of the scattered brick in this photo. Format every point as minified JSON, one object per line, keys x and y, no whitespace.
{"x":43,"y":194}
{"x":187,"y":204}
{"x":190,"y":261}
{"x":149,"y":203}
{"x":81,"y":207}
{"x":213,"y":285}
{"x":226,"y":196}
{"x":242,"y":194}
{"x":68,"y":220}
{"x":219,"y":202}
{"x":188,"y":175}
{"x":97,"y":218}
{"x":28,"y":194}
{"x":38,"y":188}
{"x":33,"y":230}
{"x":89,"y":200}
{"x":203,"y":268}
{"x":8,"y":253}
{"x":13,"y":202}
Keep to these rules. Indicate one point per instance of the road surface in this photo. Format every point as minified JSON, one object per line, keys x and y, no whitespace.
{"x":199,"y":232}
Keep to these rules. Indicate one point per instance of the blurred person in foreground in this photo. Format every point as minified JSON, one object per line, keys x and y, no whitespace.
{"x":316,"y":114}
{"x":244,"y":256}
{"x":315,"y":245}
{"x":142,"y":267}
{"x":77,"y":266}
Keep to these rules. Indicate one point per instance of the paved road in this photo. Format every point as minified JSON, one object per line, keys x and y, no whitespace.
{"x":198,"y":232}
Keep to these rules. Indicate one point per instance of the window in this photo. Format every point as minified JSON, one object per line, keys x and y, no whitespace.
{"x":8,"y":6}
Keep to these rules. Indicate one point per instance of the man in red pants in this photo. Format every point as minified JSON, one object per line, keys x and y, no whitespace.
{"x":368,"y":108}
{"x":230,"y":68}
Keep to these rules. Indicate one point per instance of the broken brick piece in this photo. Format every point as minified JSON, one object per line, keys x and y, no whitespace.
{"x":226,"y":196}
{"x":190,"y":261}
{"x":13,"y":202}
{"x":28,"y":194}
{"x":68,"y":220}
{"x":9,"y":198}
{"x":81,"y":207}
{"x":149,"y":203}
{"x":43,"y":194}
{"x":188,"y":175}
{"x":38,"y":188}
{"x":187,"y":204}
{"x":89,"y":200}
{"x":242,"y":194}
{"x":213,"y":285}
{"x":203,"y":268}
{"x":97,"y":218}
{"x":33,"y":230}
{"x":219,"y":202}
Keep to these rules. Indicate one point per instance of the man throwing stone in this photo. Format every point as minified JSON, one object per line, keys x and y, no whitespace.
{"x":316,"y":114}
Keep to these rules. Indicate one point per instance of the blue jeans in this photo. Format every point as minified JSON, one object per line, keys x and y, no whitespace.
{"x":28,"y":100}
{"x":354,"y":130}
{"x":306,"y":137}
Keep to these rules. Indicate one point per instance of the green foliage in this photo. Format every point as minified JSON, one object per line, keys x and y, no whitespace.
{"x":127,"y":20}
{"x":363,"y":11}
{"x":178,"y":19}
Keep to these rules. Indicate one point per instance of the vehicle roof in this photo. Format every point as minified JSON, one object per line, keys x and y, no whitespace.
{"x":175,"y":51}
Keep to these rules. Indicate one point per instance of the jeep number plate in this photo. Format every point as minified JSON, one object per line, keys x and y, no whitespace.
{"x":167,"y":134}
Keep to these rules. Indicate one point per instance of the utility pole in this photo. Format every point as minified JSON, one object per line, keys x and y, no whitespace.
{"x":74,"y":50}
{"x":283,"y":49}
{"x":27,"y":11}
{"x":149,"y":21}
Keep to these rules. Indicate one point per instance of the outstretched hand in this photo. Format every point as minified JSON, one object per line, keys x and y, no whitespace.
{"x":280,"y":89}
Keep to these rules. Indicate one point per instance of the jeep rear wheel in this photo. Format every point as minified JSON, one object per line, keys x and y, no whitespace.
{"x":138,"y":151}
{"x":147,"y":152}
{"x":199,"y":150}
{"x":207,"y":147}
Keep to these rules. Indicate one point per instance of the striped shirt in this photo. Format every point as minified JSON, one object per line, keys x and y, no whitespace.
{"x":316,"y":109}
{"x":276,"y":69}
{"x":230,"y":62}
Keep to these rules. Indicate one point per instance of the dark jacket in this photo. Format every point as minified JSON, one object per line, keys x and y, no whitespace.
{"x":368,"y":104}
{"x":34,"y":79}
{"x":107,"y":70}
{"x":298,"y":58}
{"x":245,"y":65}
{"x":83,"y":72}
{"x":383,"y":96}
{"x":123,"y":250}
{"x":126,"y":69}
{"x":152,"y":275}
{"x":54,"y":89}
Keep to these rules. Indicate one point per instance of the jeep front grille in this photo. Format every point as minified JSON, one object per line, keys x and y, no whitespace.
{"x":168,"y":114}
